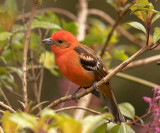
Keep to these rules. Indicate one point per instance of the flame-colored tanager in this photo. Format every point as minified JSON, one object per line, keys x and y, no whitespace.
{"x":81,"y":65}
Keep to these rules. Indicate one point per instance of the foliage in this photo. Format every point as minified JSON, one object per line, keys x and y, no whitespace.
{"x":49,"y":121}
{"x":144,"y":11}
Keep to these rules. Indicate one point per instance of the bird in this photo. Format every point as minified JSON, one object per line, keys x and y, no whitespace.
{"x":81,"y":65}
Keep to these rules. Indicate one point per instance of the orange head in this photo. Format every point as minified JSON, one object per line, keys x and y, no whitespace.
{"x":61,"y":41}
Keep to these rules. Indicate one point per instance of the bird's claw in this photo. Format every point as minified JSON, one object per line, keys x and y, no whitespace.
{"x":74,"y":97}
{"x":95,"y":86}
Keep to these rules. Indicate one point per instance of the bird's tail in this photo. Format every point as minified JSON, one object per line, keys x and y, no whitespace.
{"x":112,"y":103}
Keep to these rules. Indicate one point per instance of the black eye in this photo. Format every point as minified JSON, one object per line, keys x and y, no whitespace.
{"x":60,"y":41}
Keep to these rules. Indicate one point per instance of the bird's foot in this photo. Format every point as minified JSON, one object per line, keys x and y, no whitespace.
{"x":95,"y":86}
{"x":74,"y":97}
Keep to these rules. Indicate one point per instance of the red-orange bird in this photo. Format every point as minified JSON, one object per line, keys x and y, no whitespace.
{"x":81,"y":65}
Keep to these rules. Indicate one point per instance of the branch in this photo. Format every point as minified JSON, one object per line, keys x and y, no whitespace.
{"x":114,"y":27}
{"x":105,"y":79}
{"x":24,"y":66}
{"x":4,"y":96}
{"x":55,"y":10}
{"x":119,"y":28}
{"x":76,"y":107}
{"x":7,"y":107}
{"x":82,"y":18}
{"x":142,"y":62}
{"x":137,"y":80}
{"x":35,"y":86}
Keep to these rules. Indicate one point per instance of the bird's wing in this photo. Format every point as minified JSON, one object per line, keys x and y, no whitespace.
{"x":90,"y":61}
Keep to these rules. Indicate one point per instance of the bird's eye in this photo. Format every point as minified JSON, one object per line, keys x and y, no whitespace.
{"x":60,"y":41}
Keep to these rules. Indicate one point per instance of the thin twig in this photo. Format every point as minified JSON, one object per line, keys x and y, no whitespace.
{"x":55,"y":10}
{"x":6,"y":107}
{"x":4,"y":96}
{"x":105,"y":79}
{"x":2,"y":112}
{"x":40,"y":82}
{"x":25,"y":52}
{"x":142,"y":62}
{"x":114,"y":27}
{"x":76,"y":107}
{"x":1,"y":130}
{"x":35,"y":87}
{"x":137,"y":80}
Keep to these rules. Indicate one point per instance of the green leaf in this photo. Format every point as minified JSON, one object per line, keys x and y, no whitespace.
{"x":68,"y":124}
{"x":34,"y":41}
{"x":114,"y":129}
{"x":47,"y":58}
{"x":5,"y":36}
{"x":124,"y":128}
{"x":143,"y":10}
{"x":11,"y":7}
{"x":42,"y":24}
{"x":156,"y":35}
{"x":101,"y":129}
{"x":38,"y":105}
{"x":138,"y":14}
{"x":52,"y":130}
{"x":142,"y":2}
{"x":16,"y":70}
{"x":3,"y":59}
{"x":3,"y":71}
{"x":69,"y":26}
{"x":8,"y":125}
{"x":8,"y":14}
{"x":24,"y":120}
{"x":90,"y":123}
{"x":98,"y":33}
{"x":49,"y":17}
{"x":138,"y":26}
{"x":127,"y":110}
{"x":120,"y":55}
{"x":157,"y":16}
{"x":112,"y":3}
{"x":47,"y":113}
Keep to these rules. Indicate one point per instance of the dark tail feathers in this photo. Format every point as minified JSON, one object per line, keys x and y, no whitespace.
{"x":114,"y":109}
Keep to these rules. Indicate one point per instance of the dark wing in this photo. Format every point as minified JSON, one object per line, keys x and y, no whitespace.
{"x":91,"y":61}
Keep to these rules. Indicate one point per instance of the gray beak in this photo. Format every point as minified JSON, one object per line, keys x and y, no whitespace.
{"x":48,"y":41}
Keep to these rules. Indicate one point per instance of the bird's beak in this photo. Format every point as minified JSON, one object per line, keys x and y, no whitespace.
{"x":48,"y":41}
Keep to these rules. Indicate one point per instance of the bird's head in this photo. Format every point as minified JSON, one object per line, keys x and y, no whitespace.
{"x":60,"y":41}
